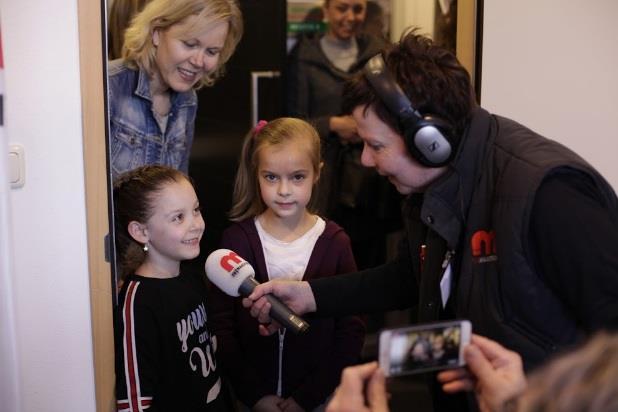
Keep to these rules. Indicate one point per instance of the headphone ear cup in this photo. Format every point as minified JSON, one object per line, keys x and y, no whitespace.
{"x":409,"y":134}
{"x":428,"y":141}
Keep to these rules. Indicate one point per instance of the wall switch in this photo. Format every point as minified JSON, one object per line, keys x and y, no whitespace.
{"x":17,"y":169}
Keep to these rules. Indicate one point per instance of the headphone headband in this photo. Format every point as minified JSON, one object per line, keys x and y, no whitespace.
{"x":426,"y":137}
{"x":388,"y":90}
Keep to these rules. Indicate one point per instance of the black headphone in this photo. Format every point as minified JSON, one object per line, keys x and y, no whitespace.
{"x":428,"y":138}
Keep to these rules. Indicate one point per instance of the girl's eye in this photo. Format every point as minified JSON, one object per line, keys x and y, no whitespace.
{"x":178,"y":218}
{"x":189,"y":44}
{"x":270,"y":178}
{"x":197,"y":210}
{"x":298,"y":177}
{"x":213,"y":51}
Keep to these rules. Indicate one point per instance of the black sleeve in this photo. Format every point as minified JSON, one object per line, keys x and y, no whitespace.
{"x":386,"y":287}
{"x":138,"y":351}
{"x":574,"y":248}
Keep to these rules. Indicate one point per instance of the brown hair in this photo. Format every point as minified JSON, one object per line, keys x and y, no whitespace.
{"x":431,"y":76}
{"x":139,"y":51}
{"x":584,"y":380}
{"x":133,"y":194}
{"x":120,"y":15}
{"x":247,"y":200}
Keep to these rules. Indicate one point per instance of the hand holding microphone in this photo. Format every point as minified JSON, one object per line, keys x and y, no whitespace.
{"x":235,"y":276}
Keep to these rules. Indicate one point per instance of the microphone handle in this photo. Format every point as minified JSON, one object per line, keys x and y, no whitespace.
{"x":278,"y":311}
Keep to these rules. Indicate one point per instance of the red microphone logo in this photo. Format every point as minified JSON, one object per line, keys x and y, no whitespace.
{"x":232,"y":263}
{"x":230,"y":257}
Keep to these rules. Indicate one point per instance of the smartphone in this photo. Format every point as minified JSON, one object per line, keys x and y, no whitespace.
{"x":423,"y":348}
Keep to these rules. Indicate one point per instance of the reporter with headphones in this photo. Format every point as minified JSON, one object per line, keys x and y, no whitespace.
{"x":504,"y":227}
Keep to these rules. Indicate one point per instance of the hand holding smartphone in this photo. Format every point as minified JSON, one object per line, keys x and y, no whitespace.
{"x":423,"y":348}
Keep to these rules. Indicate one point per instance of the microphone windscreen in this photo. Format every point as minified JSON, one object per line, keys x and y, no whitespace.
{"x":227,"y":270}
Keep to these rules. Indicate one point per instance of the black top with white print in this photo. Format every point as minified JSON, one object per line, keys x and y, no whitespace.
{"x":165,"y":354}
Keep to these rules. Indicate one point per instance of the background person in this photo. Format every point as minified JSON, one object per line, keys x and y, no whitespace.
{"x":487,"y":235}
{"x":357,"y":198}
{"x":171,"y":48}
{"x":276,"y":231}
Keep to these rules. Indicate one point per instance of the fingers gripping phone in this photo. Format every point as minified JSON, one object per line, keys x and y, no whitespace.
{"x":423,"y":348}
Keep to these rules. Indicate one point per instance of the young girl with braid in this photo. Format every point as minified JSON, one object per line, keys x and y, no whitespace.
{"x":165,"y":353}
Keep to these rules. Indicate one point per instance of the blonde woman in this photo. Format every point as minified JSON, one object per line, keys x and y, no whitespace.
{"x":171,"y":48}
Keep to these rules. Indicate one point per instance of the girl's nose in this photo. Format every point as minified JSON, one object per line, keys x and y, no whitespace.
{"x":284,"y":188}
{"x":198,"y":223}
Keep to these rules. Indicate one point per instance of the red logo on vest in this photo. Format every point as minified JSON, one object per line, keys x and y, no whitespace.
{"x":483,"y":244}
{"x":230,"y":257}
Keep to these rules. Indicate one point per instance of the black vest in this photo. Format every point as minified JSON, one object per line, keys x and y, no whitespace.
{"x":481,"y":212}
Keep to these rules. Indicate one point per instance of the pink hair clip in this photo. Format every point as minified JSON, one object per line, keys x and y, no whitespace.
{"x":258,"y":127}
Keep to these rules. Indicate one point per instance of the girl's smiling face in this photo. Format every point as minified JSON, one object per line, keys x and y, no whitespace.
{"x":175,"y":228}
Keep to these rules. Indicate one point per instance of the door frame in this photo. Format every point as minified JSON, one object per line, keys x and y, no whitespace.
{"x":91,"y":57}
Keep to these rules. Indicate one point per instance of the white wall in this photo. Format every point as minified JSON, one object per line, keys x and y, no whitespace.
{"x":553,"y":65}
{"x":8,"y":365}
{"x":49,"y":274}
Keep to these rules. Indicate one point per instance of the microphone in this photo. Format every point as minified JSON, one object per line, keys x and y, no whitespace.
{"x":235,"y":276}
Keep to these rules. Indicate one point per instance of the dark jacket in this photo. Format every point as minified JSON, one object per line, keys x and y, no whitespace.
{"x":314,"y":84}
{"x":477,"y":216}
{"x":312,"y":362}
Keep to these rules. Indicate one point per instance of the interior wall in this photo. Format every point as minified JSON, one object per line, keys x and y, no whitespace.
{"x":49,"y":274}
{"x":552,"y":65}
{"x":9,"y":390}
{"x":406,"y":13}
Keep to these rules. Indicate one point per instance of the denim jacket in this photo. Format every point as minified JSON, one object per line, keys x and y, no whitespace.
{"x":135,"y":136}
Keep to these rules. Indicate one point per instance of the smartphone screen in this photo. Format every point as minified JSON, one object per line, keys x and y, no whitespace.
{"x":423,"y":348}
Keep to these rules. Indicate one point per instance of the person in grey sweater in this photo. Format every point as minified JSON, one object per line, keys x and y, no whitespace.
{"x":317,"y":68}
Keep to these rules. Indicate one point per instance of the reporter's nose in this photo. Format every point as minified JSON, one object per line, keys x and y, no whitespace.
{"x":367,"y":157}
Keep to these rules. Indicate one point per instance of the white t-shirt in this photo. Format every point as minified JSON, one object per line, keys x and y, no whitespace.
{"x":288,"y":260}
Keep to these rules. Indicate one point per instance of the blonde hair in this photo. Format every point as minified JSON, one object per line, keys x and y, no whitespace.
{"x":139,"y":51}
{"x":246,"y":200}
{"x":585,"y":380}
